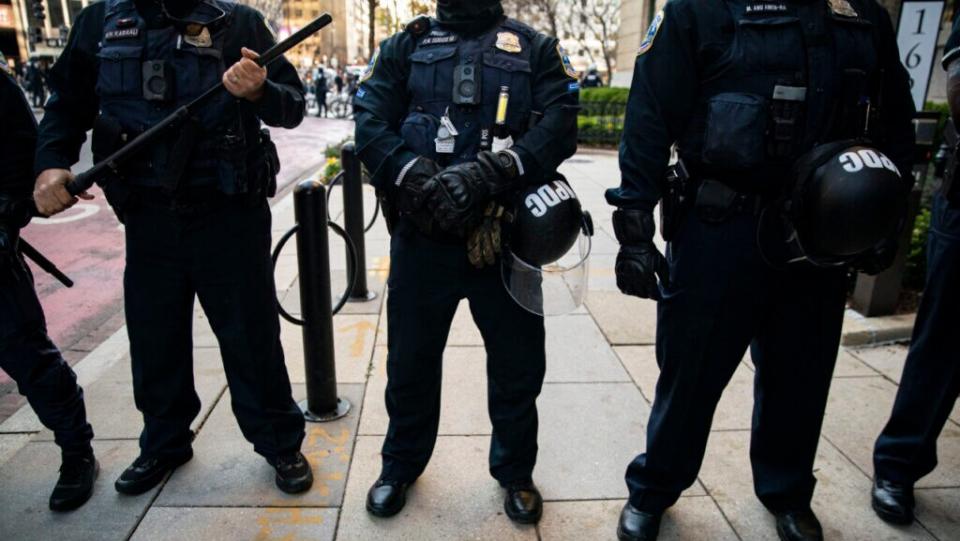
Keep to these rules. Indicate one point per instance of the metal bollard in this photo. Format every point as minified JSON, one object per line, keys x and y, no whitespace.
{"x":313,"y":251}
{"x":353,"y":220}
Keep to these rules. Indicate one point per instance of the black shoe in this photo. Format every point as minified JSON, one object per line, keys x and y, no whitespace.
{"x":147,"y":472}
{"x":386,"y":498}
{"x":798,"y":526}
{"x":635,"y":525}
{"x":294,"y":475}
{"x":523,"y":504}
{"x":893,"y":502}
{"x":75,"y":485}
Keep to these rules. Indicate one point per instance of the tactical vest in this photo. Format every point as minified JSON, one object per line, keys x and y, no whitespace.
{"x":501,"y":57}
{"x":130,"y":54}
{"x":796,"y":74}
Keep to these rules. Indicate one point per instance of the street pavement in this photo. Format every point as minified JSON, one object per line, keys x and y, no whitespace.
{"x":594,"y":409}
{"x":87,"y":243}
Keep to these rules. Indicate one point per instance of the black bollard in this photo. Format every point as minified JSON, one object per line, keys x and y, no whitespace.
{"x":353,"y":221}
{"x":313,"y":258}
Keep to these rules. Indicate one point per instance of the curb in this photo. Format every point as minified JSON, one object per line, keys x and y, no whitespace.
{"x":861,"y":331}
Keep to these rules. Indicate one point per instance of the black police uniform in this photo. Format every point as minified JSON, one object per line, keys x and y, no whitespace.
{"x":744,"y":88}
{"x":907,"y":448}
{"x":26,"y":352}
{"x":195,"y":210}
{"x":400,"y":103}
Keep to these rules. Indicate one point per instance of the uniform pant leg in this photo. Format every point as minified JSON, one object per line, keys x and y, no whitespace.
{"x":425,"y":286}
{"x":704,"y":325}
{"x":42,"y":375}
{"x":907,"y":448}
{"x":516,"y":364}
{"x":794,"y":353}
{"x":158,"y":298}
{"x":231,"y":266}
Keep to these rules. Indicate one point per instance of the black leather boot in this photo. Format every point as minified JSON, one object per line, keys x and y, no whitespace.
{"x":75,"y":486}
{"x":799,"y":525}
{"x":386,"y":498}
{"x":523,"y":504}
{"x":294,"y":475}
{"x":635,"y":525}
{"x":147,"y":472}
{"x":893,"y":502}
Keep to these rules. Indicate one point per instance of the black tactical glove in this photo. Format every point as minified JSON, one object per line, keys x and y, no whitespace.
{"x":456,"y":195}
{"x":639,"y":263}
{"x":501,"y":171}
{"x":409,"y":195}
{"x":878,"y":260}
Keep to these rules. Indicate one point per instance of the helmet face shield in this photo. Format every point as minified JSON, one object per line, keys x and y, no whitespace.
{"x":553,"y":289}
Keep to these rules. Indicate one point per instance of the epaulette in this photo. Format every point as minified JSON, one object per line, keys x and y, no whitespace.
{"x":520,"y":27}
{"x":418,"y":26}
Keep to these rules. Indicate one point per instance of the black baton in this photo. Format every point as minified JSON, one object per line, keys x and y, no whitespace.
{"x":45,"y":264}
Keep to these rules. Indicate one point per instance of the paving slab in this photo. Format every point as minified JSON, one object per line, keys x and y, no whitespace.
{"x":203,"y":336}
{"x":110,"y":404}
{"x":849,"y":366}
{"x":588,"y":434}
{"x":841,"y":500}
{"x":624,"y":320}
{"x":857,"y":411}
{"x":455,"y":498}
{"x":938,"y":509}
{"x":234,"y":523}
{"x":463,"y":409}
{"x":225,"y":472}
{"x":887,"y":360}
{"x":695,"y":517}
{"x":735,"y":410}
{"x":578,"y":352}
{"x":29,"y":476}
{"x":10,"y":444}
{"x":602,"y":276}
{"x":354,"y":338}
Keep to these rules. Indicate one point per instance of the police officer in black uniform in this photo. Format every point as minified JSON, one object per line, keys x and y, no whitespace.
{"x":194,"y":206}
{"x":26,"y":352}
{"x":592,"y":79}
{"x":429,"y":131}
{"x":907,"y":448}
{"x":744,"y":88}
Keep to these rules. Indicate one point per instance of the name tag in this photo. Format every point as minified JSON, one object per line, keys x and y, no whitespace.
{"x":125,"y":33}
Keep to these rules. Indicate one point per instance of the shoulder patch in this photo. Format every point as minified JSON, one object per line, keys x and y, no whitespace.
{"x":565,"y":61}
{"x":418,"y":26}
{"x":368,"y":72}
{"x":652,"y":32}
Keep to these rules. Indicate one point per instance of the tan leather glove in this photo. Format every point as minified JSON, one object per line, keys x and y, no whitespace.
{"x":483,"y":242}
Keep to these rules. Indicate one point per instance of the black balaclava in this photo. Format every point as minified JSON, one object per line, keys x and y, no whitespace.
{"x":469,"y":16}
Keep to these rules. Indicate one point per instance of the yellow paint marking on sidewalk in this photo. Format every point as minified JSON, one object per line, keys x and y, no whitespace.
{"x":360,"y":339}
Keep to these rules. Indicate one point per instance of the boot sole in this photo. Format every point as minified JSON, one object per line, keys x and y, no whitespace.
{"x":141,"y":487}
{"x":522,"y":519}
{"x":73,"y":505}
{"x":891,"y":518}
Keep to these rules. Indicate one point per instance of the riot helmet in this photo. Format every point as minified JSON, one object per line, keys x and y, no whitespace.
{"x":545,"y":263}
{"x":846,"y":200}
{"x":469,"y":16}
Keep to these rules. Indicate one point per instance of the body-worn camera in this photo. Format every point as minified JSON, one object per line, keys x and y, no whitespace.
{"x":466,"y":85}
{"x":157,"y":81}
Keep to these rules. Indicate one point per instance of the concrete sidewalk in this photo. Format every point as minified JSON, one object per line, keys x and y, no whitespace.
{"x":594,"y":408}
